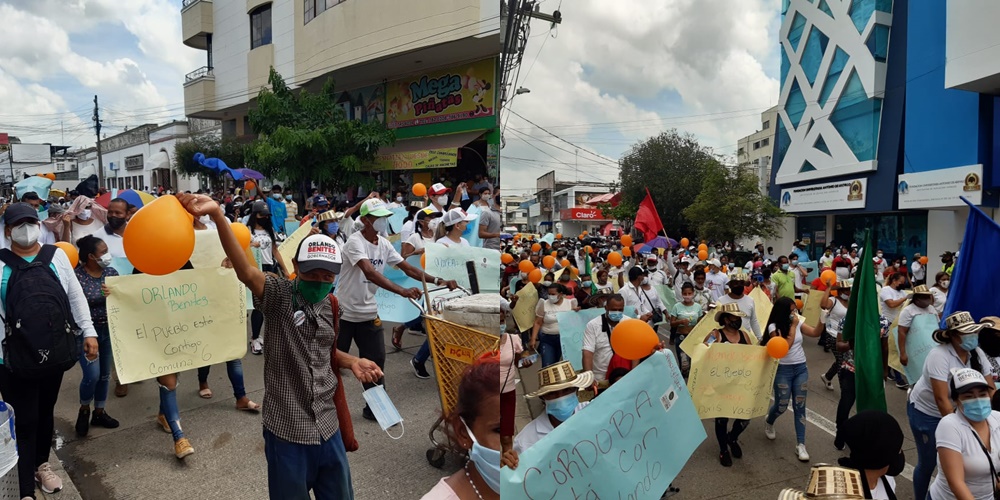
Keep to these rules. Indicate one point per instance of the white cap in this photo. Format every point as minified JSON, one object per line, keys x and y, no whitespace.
{"x":456,"y":215}
{"x":963,"y":379}
{"x":651,"y":257}
{"x":715,"y":262}
{"x":439,"y":189}
{"x":318,"y":251}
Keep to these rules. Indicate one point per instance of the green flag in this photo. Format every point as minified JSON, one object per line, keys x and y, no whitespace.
{"x":587,"y":271}
{"x":862,"y":328}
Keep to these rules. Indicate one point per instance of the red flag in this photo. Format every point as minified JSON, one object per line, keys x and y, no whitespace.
{"x":4,"y":139}
{"x":647,"y":219}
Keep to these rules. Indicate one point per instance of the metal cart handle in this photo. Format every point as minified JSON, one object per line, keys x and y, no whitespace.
{"x":419,"y":304}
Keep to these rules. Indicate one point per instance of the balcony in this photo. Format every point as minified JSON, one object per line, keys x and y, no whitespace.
{"x":199,"y":93}
{"x":197,"y":23}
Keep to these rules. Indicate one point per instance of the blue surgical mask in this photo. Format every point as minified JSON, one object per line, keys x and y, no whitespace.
{"x":385,"y":412}
{"x":276,"y":196}
{"x":970,"y":342}
{"x":332,"y":227}
{"x":487,"y":461}
{"x":616,"y":316}
{"x":975,"y":409}
{"x":562,"y":408}
{"x":288,"y":197}
{"x":784,"y":267}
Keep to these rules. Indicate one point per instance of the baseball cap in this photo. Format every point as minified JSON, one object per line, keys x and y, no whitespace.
{"x":439,"y":188}
{"x":715,"y":262}
{"x":320,"y":200}
{"x":260,"y":208}
{"x":651,"y":257}
{"x":19,"y":212}
{"x":456,"y":215}
{"x":375,"y":207}
{"x":427,"y":213}
{"x":318,"y":251}
{"x":966,"y":379}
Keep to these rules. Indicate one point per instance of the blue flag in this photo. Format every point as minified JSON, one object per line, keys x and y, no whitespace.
{"x":972,"y":289}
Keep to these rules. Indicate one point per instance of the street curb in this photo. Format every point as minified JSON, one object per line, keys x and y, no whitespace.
{"x":69,"y":491}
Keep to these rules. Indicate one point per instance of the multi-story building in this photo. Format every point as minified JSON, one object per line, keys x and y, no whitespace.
{"x":571,"y":213}
{"x":429,"y":71}
{"x":887,"y":118}
{"x":754,"y":152}
{"x":515,"y":216}
{"x":140,"y":158}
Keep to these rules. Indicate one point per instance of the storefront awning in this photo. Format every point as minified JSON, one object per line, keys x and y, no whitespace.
{"x":158,"y":161}
{"x":424,"y":153}
{"x":609,"y":198}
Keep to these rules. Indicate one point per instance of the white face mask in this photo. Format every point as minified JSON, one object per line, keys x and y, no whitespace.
{"x":381,"y":225}
{"x":399,"y":199}
{"x":945,"y":283}
{"x":86,"y":214}
{"x":26,"y":235}
{"x":441,"y":200}
{"x":554,"y":298}
{"x":645,"y":281}
{"x":104,"y":260}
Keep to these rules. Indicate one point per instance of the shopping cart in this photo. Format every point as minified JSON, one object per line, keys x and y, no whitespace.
{"x":454,"y":348}
{"x":9,"y":485}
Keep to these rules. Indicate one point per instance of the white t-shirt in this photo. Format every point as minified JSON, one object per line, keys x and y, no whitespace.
{"x":716,"y":282}
{"x":937,"y":366}
{"x":508,"y":354}
{"x":955,"y":433}
{"x":918,"y":270}
{"x":747,"y":306}
{"x":889,"y":293}
{"x":406,"y":230}
{"x":80,"y":230}
{"x":826,"y":261}
{"x":549,"y":311}
{"x":264,"y":239}
{"x":910,"y":311}
{"x":879,"y":492}
{"x":940,"y":297}
{"x":658,"y":277}
{"x":795,"y":353}
{"x":441,"y":491}
{"x":538,"y":428}
{"x":416,"y":240}
{"x":448,"y":242}
{"x":115,"y":243}
{"x":596,"y":341}
{"x":356,"y":293}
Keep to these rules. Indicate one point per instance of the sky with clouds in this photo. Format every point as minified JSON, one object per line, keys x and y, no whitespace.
{"x":58,"y":54}
{"x":616,"y":72}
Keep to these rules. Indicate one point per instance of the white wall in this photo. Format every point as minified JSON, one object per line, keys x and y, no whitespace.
{"x":283,"y":37}
{"x":972,"y":48}
{"x":230,"y":44}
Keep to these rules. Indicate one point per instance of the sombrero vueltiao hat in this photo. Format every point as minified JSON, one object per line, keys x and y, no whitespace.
{"x":922,"y":290}
{"x":960,"y":322}
{"x":828,"y":482}
{"x":731,"y":308}
{"x":559,"y":376}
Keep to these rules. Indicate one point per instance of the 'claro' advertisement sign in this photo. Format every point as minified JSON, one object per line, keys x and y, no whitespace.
{"x":458,"y":93}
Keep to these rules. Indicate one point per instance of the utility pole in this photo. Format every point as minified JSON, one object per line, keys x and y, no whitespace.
{"x":97,"y":129}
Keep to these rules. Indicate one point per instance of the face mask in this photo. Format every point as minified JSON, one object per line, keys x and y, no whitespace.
{"x":116,"y":223}
{"x":86,"y":214}
{"x":616,"y":316}
{"x":25,"y":235}
{"x":977,"y":409}
{"x":441,"y":200}
{"x":399,"y":199}
{"x":276,"y":196}
{"x":104,"y":260}
{"x":554,"y":298}
{"x":381,"y":225}
{"x":332,"y":227}
{"x":288,"y":197}
{"x":970,"y":342}
{"x":784,"y":267}
{"x":487,"y":461}
{"x":945,"y":283}
{"x":385,"y":412}
{"x":645,"y":281}
{"x":879,"y":255}
{"x":793,"y":263}
{"x":904,"y":262}
{"x":522,"y":275}
{"x":562,"y":408}
{"x":314,"y":291}
{"x":585,"y":284}
{"x":546,"y":283}
{"x":735,"y":324}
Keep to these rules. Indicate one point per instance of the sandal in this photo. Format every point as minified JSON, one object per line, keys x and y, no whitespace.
{"x":205,"y":393}
{"x":397,"y":337}
{"x":251,"y":407}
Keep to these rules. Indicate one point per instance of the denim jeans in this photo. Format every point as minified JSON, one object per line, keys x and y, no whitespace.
{"x":295,"y":469}
{"x":847,"y":399}
{"x":923,"y":427}
{"x":235,"y":370}
{"x":423,"y":354}
{"x":550,"y":348}
{"x":96,"y":373}
{"x":168,"y":408}
{"x":791,"y":381}
{"x":415,"y":324}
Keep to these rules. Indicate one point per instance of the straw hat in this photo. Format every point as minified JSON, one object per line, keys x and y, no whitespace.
{"x":740,"y":277}
{"x":960,"y":322}
{"x":848,"y":283}
{"x":559,"y":376}
{"x":731,"y":308}
{"x":990,"y":323}
{"x":922,"y":290}
{"x":828,"y":482}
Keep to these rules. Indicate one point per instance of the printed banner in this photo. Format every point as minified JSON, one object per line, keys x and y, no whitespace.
{"x":631,"y":442}
{"x":812,"y":307}
{"x":841,"y":195}
{"x":524,"y":309}
{"x":288,"y":247}
{"x":458,"y":93}
{"x":450,"y":263}
{"x":167,"y":324}
{"x":428,"y":159}
{"x":571,"y":325}
{"x":732,"y":381}
{"x":941,"y":188}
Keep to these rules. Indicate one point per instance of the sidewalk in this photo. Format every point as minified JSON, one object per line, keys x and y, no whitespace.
{"x":69,"y":491}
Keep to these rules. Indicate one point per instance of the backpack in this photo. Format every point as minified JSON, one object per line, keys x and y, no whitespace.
{"x":40,"y":336}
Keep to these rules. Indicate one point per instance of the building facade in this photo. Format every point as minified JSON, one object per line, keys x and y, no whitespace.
{"x":515,"y":216}
{"x":755,"y":151}
{"x":870,"y":131}
{"x":428,"y":73}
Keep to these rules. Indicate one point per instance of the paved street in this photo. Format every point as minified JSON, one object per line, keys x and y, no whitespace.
{"x":767,"y":466}
{"x":136,"y":460}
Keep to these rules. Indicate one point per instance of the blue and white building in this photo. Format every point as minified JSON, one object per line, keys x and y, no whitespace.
{"x":887,"y":116}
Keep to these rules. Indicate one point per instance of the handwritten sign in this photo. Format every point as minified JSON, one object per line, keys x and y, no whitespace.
{"x":732,"y":381}
{"x":167,"y":324}
{"x":696,"y":337}
{"x":571,"y":325}
{"x":524,"y":309}
{"x":450,"y":263}
{"x":812,"y":307}
{"x":762,"y":306}
{"x":631,"y":442}
{"x":288,"y":247}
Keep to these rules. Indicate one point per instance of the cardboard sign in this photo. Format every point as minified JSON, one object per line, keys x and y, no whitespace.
{"x":571,"y":325}
{"x":288,"y":247}
{"x":524,"y":309}
{"x":732,"y":381}
{"x":812,"y":307}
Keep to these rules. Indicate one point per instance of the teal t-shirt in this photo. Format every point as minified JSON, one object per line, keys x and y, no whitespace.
{"x":692,"y":313}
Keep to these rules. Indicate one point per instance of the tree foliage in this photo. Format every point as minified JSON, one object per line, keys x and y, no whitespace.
{"x":672,"y":166}
{"x":227,"y":149}
{"x":305,"y":137}
{"x":731,"y":206}
{"x":624,"y":213}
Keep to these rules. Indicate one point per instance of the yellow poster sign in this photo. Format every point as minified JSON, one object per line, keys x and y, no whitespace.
{"x":288,"y":247}
{"x":458,"y":93}
{"x":418,"y":160}
{"x":167,"y":324}
{"x":812,"y":307}
{"x":208,"y":252}
{"x":732,"y":381}
{"x":524,"y":310}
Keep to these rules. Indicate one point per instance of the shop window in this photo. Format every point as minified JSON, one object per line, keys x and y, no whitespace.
{"x":260,"y":26}
{"x":765,"y":142}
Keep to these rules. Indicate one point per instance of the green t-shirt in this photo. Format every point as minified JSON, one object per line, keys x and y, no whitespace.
{"x":784,"y":284}
{"x":692,"y":313}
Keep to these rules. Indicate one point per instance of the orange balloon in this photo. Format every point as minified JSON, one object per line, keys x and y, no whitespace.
{"x":685,"y":242}
{"x":702,"y":254}
{"x":548,"y":262}
{"x":423,"y":260}
{"x":50,"y":177}
{"x":573,"y":271}
{"x":535,"y":275}
{"x":588,"y":249}
{"x":249,"y":185}
{"x":506,"y":258}
{"x":584,"y":233}
{"x":536,"y":247}
{"x":777,"y":347}
{"x":71,"y":252}
{"x":829,"y":277}
{"x":633,"y":339}
{"x":559,"y":236}
{"x":554,"y":254}
{"x":419,"y":190}
{"x":526,"y":266}
{"x":580,"y":237}
{"x":292,"y":276}
{"x":627,"y":252}
{"x":923,"y":260}
{"x":798,"y":304}
{"x":626,"y":241}
{"x":242,"y":233}
{"x":615,"y":259}
{"x":160,"y":238}
{"x":702,"y":247}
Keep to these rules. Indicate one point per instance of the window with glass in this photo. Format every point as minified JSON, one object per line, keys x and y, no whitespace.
{"x":313,"y":8}
{"x":260,"y":26}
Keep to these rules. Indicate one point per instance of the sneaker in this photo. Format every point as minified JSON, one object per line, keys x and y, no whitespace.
{"x":901,"y":384}
{"x":47,"y":480}
{"x":827,"y":382}
{"x":735,"y":448}
{"x":102,"y":419}
{"x":800,"y":451}
{"x":257,"y":346}
{"x":162,"y":420}
{"x":725,"y":459}
{"x":769,"y":431}
{"x":183,"y":448}
{"x":368,"y":415}
{"x":419,"y":369}
{"x":83,"y":422}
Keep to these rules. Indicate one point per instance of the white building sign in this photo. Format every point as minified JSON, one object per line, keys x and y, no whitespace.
{"x":843,"y":195}
{"x":941,"y":188}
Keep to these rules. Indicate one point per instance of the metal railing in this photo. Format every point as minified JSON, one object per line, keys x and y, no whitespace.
{"x":187,"y":3}
{"x":202,"y":72}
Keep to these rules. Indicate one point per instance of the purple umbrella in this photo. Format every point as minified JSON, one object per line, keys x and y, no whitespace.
{"x":661,"y":242}
{"x":250,"y":174}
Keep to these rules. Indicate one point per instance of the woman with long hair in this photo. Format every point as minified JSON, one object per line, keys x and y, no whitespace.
{"x":792,"y":380}
{"x":263,"y":238}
